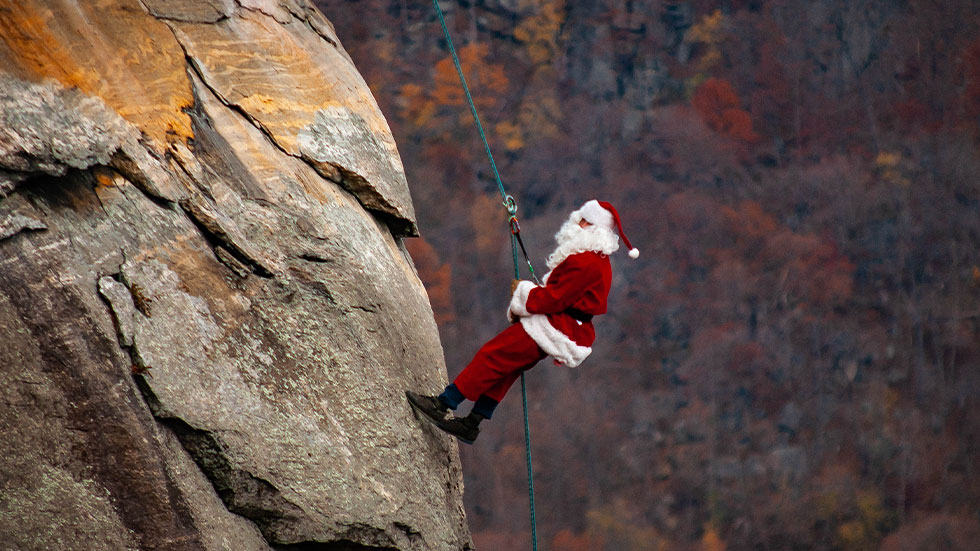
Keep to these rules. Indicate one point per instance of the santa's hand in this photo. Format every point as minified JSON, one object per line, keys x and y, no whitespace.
{"x":518,"y":300}
{"x":513,"y":286}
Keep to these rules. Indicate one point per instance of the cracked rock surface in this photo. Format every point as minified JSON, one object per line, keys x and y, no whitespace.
{"x":207,"y":313}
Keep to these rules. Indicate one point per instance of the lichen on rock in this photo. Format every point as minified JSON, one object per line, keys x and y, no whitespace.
{"x":45,"y":128}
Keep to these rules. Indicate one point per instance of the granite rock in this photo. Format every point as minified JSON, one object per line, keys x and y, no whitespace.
{"x":208,"y":314}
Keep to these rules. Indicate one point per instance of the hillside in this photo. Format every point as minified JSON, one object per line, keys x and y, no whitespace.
{"x":792,"y":361}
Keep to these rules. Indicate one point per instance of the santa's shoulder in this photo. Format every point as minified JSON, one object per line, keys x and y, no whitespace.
{"x":586,"y":258}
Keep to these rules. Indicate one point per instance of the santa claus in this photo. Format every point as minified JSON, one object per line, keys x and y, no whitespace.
{"x":552,"y":319}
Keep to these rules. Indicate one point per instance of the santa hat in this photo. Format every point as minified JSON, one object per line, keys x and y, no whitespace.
{"x":602,"y":213}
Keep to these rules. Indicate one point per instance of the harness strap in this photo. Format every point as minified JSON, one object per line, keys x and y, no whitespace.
{"x":579,"y":315}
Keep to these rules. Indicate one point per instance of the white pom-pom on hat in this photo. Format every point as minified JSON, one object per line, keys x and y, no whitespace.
{"x":634,"y":253}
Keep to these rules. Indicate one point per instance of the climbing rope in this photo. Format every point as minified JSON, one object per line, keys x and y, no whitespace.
{"x":515,"y":240}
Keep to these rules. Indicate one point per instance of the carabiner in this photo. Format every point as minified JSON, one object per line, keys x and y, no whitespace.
{"x":510,"y":204}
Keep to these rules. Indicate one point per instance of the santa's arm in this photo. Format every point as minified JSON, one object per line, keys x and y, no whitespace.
{"x":559,"y":296}
{"x":554,"y":297}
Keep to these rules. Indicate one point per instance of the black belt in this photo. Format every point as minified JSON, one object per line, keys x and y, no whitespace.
{"x":579,"y":315}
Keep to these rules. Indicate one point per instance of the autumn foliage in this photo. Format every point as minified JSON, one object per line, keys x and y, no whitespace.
{"x":791,"y":363}
{"x":719,"y":107}
{"x":436,"y":275}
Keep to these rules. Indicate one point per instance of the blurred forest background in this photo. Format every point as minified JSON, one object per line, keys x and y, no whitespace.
{"x":793,"y":363}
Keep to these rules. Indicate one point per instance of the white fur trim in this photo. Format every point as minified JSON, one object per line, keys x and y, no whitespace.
{"x":518,"y":301}
{"x":555,"y":343}
{"x":594,"y":213}
{"x":634,"y":253}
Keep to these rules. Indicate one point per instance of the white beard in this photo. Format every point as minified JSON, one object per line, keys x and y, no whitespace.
{"x":574,"y":239}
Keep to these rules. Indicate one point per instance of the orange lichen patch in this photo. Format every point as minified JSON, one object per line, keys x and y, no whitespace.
{"x":263,"y":160}
{"x":112,"y":49}
{"x":280,"y":75}
{"x":104,"y":177}
{"x":30,"y":48}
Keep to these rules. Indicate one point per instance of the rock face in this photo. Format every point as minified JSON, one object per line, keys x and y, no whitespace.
{"x":207,"y":315}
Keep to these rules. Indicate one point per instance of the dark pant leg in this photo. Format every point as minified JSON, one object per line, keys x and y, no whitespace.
{"x":498,"y":364}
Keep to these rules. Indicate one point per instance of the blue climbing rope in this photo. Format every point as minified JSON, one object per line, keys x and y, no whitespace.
{"x":515,"y":240}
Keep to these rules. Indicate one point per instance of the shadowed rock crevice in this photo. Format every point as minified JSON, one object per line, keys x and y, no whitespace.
{"x":319,"y":145}
{"x":258,"y":500}
{"x":243,"y":493}
{"x":144,"y":170}
{"x":230,"y":248}
{"x":339,"y":545}
{"x":188,"y":11}
{"x":201,"y":73}
{"x":364,"y":538}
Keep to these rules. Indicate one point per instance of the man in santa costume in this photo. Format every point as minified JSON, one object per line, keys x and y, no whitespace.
{"x":555,"y":319}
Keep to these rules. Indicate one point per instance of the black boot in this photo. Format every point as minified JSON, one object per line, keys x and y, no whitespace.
{"x":429,"y":406}
{"x":465,"y":428}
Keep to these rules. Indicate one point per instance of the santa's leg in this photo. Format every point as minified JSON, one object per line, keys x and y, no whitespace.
{"x":497,"y":365}
{"x":485,"y":381}
{"x":487,"y":403}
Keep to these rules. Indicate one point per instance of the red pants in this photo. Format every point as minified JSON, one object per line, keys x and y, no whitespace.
{"x":498,"y":364}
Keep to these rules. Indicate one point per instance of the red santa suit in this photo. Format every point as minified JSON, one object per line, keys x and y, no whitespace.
{"x":555,"y":319}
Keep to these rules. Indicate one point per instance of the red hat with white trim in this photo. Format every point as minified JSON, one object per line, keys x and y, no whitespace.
{"x":602,"y":213}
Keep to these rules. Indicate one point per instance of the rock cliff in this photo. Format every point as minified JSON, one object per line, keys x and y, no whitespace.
{"x":207,"y":314}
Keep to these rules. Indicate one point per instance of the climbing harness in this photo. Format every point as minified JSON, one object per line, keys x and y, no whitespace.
{"x":515,"y":240}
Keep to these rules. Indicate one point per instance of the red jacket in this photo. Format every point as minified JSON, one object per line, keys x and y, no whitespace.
{"x":580,"y":283}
